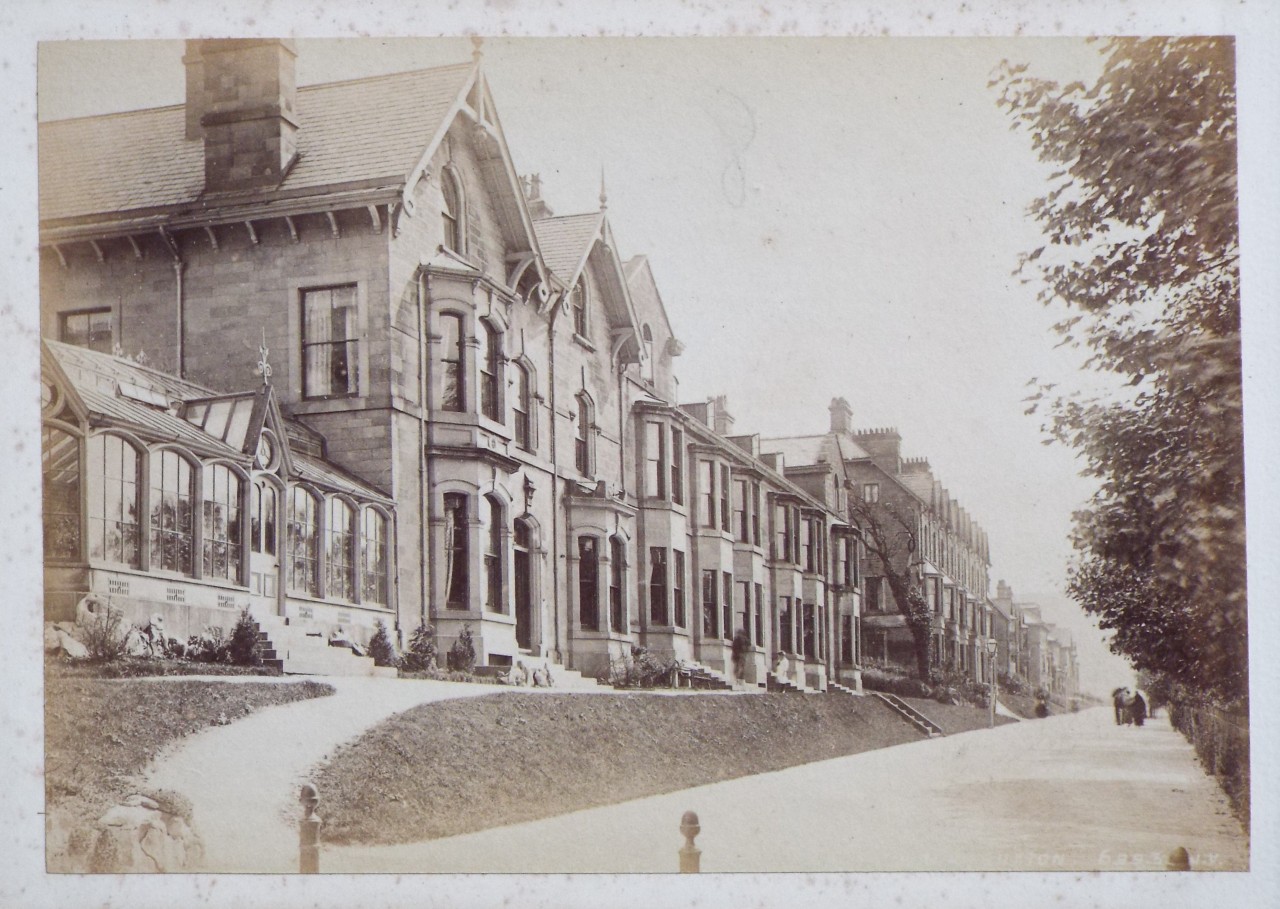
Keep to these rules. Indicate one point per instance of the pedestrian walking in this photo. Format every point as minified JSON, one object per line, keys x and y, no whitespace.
{"x":1138,"y":709}
{"x":1117,"y":700}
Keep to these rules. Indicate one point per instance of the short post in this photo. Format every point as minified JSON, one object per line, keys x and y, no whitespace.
{"x":309,"y":831}
{"x":1178,"y":860}
{"x":690,"y":855}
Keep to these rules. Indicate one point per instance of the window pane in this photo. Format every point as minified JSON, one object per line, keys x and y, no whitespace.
{"x":588,"y":584}
{"x":658,"y":585}
{"x":60,"y":462}
{"x":329,"y":352}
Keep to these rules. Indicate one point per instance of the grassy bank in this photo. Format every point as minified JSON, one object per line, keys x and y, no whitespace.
{"x":457,"y":766}
{"x":955,"y":718}
{"x":101,"y":733}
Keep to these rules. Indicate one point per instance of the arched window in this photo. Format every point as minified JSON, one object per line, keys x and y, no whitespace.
{"x":617,"y":558}
{"x":220,"y":510}
{"x":373,"y":557}
{"x":303,"y":542}
{"x":339,"y":534}
{"x":172,"y":512}
{"x":522,"y":407}
{"x":579,"y":302}
{"x":114,"y":531}
{"x":60,"y":469}
{"x":589,"y":583}
{"x":262,"y":518}
{"x":491,"y":374}
{"x":452,"y":215}
{"x":452,"y":386}
{"x":456,"y":580}
{"x":582,"y":438}
{"x":493,"y":525}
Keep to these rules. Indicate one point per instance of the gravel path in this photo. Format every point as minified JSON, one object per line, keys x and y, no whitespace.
{"x":1072,"y":792}
{"x":243,"y":779}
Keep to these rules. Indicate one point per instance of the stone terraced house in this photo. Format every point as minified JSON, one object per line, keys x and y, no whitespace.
{"x":321,"y":352}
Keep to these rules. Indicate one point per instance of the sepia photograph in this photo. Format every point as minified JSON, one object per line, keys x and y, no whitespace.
{"x":753,"y":453}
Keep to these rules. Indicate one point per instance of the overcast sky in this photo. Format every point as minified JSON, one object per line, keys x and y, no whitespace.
{"x":825,"y":217}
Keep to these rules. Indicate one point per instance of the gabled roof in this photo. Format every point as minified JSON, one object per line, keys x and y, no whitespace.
{"x":164,"y":408}
{"x":639,"y":274}
{"x":566,"y":241}
{"x":369,"y":131}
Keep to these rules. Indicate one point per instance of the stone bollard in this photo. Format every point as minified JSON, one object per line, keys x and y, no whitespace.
{"x":1178,"y":860}
{"x":690,"y":855}
{"x":309,"y":831}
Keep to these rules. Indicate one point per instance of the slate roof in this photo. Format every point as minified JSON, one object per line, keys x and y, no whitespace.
{"x":366,"y":131}
{"x":97,"y":377}
{"x":565,"y":240}
{"x":801,"y":451}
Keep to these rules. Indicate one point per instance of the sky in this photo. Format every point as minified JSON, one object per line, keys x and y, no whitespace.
{"x":824,"y":217}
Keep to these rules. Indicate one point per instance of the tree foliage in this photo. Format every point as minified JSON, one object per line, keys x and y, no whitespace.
{"x":1142,"y":247}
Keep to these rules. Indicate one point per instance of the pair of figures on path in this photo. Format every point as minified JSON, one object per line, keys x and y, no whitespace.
{"x":1130,"y":707}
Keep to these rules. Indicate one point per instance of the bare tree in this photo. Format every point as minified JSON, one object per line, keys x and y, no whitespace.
{"x":889,"y":536}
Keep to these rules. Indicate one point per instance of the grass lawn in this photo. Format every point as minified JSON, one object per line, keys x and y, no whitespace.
{"x":100,"y":733}
{"x":458,"y":766}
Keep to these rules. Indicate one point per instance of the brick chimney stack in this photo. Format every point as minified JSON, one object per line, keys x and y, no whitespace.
{"x":242,"y":100}
{"x":841,"y":415}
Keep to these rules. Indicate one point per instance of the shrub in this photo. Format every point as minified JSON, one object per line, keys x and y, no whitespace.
{"x":243,"y":648}
{"x":381,"y":648}
{"x":462,"y":653}
{"x":210,"y":646}
{"x":890,"y":682}
{"x":641,"y":669}
{"x":421,"y":655}
{"x":105,"y":635}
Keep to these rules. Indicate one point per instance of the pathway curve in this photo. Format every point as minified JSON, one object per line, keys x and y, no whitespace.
{"x":1073,"y":792}
{"x":243,"y":779}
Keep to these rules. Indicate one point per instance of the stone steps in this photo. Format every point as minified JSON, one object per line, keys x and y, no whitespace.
{"x":910,"y":714}
{"x":296,"y":650}
{"x":836,"y":686}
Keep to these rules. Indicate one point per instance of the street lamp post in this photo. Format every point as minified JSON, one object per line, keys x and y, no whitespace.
{"x":995,"y":679}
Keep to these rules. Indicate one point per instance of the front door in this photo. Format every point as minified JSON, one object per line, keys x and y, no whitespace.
{"x":523,"y":587}
{"x":264,"y":561}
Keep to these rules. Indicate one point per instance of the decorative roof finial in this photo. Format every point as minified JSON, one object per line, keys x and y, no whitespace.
{"x":264,"y":366}
{"x":476,"y":50}
{"x":604,"y":196}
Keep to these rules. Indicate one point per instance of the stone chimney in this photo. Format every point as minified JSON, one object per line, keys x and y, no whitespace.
{"x":721,"y":419}
{"x":532,"y":186}
{"x":841,"y":415}
{"x":885,"y":447}
{"x":241,"y":99}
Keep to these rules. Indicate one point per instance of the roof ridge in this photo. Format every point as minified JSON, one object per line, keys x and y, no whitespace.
{"x":585,"y":214}
{"x":180,"y":105}
{"x":376,"y":77}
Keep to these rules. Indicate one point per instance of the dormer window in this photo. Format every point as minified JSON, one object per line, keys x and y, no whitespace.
{"x":582,"y":439}
{"x":646,"y":338}
{"x":578,"y":302}
{"x":451,"y":212}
